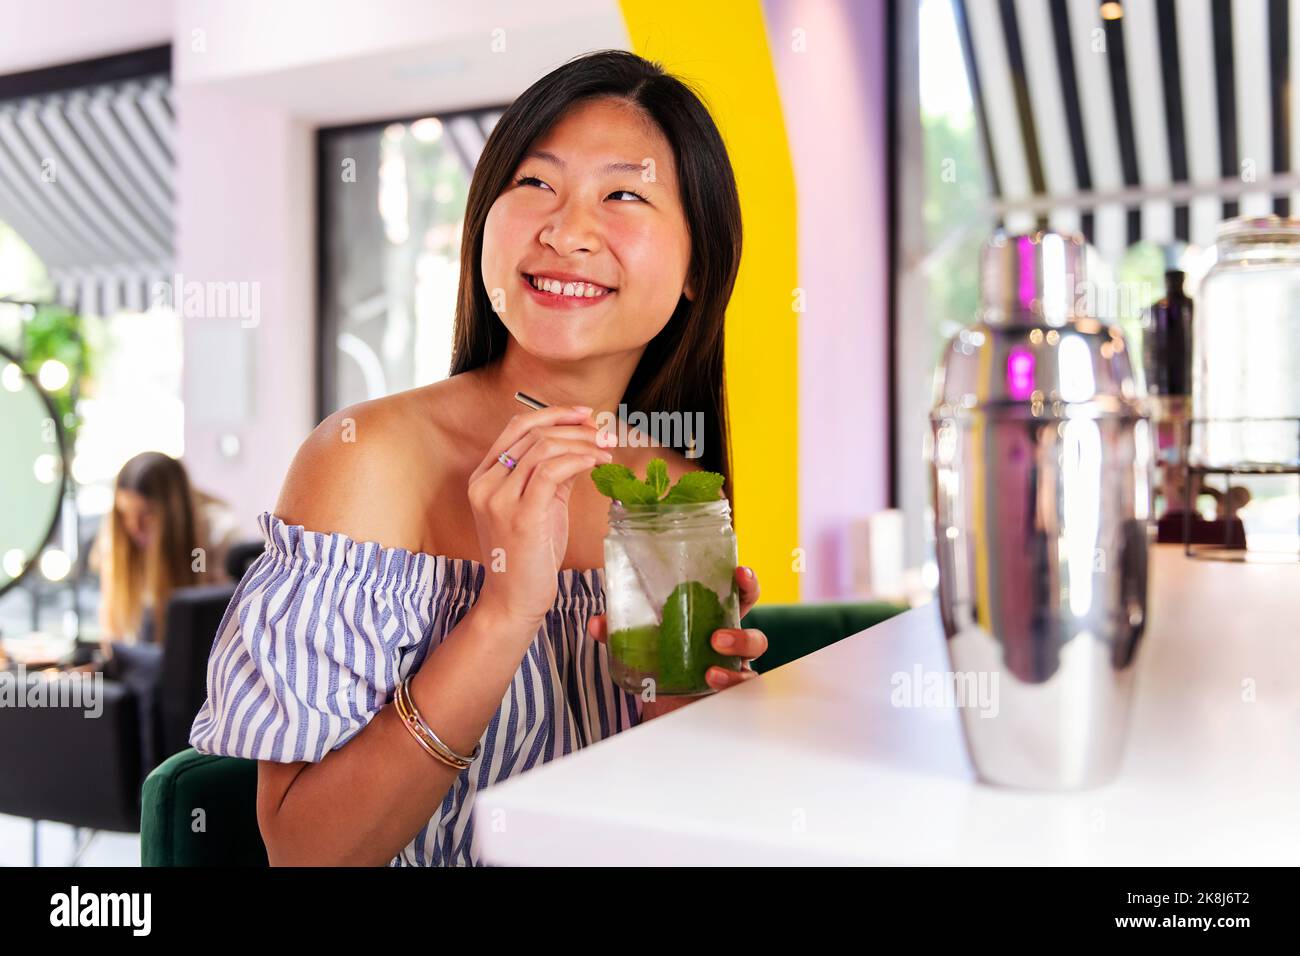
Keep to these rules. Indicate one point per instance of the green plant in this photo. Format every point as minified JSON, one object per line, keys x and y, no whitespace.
{"x":55,"y":333}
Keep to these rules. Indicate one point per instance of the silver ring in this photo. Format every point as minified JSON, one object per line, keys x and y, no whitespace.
{"x":507,"y":461}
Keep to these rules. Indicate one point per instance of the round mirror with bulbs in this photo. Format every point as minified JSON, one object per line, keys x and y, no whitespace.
{"x":32,"y":467}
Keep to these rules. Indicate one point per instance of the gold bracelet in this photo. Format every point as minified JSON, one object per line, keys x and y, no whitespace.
{"x":405,"y":710}
{"x":411,"y":722}
{"x":424,"y":734}
{"x":428,"y":731}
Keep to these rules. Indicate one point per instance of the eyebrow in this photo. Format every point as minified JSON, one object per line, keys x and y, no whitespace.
{"x":608,"y":167}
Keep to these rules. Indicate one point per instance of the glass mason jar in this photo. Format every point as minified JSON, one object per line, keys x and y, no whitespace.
{"x":670,"y":582}
{"x":1246,"y":349}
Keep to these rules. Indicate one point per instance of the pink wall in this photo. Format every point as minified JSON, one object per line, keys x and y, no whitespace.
{"x":834,"y":102}
{"x":245,"y":197}
{"x":40,"y":33}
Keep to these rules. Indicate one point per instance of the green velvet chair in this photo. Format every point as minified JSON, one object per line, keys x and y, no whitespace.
{"x":794,"y":630}
{"x":201,"y":810}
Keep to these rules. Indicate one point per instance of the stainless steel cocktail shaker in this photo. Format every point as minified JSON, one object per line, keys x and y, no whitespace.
{"x":1041,"y":480}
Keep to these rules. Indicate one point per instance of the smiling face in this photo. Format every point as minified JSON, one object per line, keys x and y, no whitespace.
{"x":594,"y":198}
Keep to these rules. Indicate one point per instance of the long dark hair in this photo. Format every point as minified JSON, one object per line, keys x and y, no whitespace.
{"x":681,"y":369}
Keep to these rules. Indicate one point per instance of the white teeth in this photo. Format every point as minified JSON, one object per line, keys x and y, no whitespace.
{"x":580,"y":290}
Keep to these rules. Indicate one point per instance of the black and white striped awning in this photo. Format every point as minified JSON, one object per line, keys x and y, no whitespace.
{"x":86,"y":178}
{"x":1152,"y":119}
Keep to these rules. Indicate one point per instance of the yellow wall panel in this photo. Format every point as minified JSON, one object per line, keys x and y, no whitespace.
{"x":721,"y":49}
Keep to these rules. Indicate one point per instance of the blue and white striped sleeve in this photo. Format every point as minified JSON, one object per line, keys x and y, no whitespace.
{"x":311,"y":645}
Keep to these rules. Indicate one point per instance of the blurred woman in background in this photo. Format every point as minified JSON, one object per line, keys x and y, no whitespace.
{"x":161,"y":534}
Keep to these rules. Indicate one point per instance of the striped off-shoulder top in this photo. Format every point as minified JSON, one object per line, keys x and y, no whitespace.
{"x":321,"y":629}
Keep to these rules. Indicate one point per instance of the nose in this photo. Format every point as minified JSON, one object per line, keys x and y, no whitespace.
{"x":571,"y":228}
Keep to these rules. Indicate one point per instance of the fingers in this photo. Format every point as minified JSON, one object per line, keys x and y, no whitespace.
{"x":588,"y":439}
{"x":509,"y":483}
{"x":543,"y":460}
{"x":587,"y":434}
{"x":746,"y":642}
{"x":720,"y":678}
{"x":521,"y":424}
{"x":747,"y":580}
{"x":497,"y":474}
{"x":551,"y":475}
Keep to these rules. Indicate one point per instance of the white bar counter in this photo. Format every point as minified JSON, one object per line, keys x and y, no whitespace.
{"x":811,"y":764}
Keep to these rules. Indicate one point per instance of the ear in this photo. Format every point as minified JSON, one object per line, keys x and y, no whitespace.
{"x":689,"y":291}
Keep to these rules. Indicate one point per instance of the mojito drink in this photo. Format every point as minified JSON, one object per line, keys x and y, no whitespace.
{"x":670,"y":582}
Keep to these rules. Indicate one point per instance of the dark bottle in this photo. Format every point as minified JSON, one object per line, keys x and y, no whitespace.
{"x":1167,"y":341}
{"x":1167,"y":360}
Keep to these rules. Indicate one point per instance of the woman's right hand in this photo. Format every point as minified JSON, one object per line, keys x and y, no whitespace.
{"x":522,"y":514}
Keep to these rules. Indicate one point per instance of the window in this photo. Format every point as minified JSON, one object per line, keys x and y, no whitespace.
{"x":1139,"y":126}
{"x":945,"y":217}
{"x":392,"y":208}
{"x":125,"y":398}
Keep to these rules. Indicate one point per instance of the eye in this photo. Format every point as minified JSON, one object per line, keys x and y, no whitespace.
{"x":630,"y":193}
{"x":530,"y":180}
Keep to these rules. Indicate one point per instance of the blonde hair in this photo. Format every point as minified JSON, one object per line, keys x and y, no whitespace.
{"x":133,"y":573}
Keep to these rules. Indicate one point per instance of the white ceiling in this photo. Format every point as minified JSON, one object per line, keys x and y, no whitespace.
{"x":316,"y":62}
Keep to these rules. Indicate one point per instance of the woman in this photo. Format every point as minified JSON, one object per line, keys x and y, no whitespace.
{"x":161,"y":535}
{"x":403,"y":546}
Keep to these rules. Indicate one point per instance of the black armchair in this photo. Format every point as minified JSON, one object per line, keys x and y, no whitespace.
{"x":62,"y":765}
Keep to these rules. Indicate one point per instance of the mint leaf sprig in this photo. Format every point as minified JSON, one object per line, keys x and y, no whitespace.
{"x":621,"y":483}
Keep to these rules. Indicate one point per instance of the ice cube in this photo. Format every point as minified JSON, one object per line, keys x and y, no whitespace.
{"x":627,"y":604}
{"x":659,"y":564}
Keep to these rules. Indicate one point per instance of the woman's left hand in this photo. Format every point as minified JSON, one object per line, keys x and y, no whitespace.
{"x":746,"y":643}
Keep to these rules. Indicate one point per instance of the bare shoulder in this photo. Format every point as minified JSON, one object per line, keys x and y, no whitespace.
{"x":364,"y":472}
